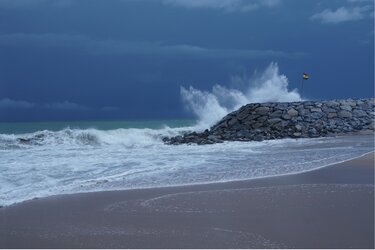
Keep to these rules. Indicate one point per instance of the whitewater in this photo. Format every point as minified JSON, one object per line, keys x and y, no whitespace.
{"x":50,"y":161}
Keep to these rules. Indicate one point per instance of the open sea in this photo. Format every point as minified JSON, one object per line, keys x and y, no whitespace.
{"x":49,"y":158}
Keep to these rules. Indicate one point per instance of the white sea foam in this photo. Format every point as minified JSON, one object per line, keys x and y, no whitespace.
{"x":210,"y":107}
{"x":71,"y":161}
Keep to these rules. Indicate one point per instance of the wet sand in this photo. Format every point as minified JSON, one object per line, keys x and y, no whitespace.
{"x":332,"y":207}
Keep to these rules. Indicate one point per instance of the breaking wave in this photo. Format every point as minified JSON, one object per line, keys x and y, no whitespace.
{"x":130,"y":137}
{"x":210,"y":107}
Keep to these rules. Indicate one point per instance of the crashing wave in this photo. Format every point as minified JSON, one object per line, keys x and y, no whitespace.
{"x":210,"y":107}
{"x":90,"y":137}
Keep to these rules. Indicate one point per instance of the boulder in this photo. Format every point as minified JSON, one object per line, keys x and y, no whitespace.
{"x":292,"y":112}
{"x":298,"y":127}
{"x":262,"y":110}
{"x":345,"y":114}
{"x":277,"y":113}
{"x":232,"y":121}
{"x":332,"y":104}
{"x":331,"y":115}
{"x":319,"y":110}
{"x":359,"y":113}
{"x":317,"y":115}
{"x":346,"y":107}
{"x":297,"y":134}
{"x":274,"y":120}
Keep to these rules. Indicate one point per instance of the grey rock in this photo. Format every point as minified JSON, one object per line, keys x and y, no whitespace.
{"x":277,"y":113}
{"x":274,"y":120}
{"x":329,"y":110}
{"x":262,"y":110}
{"x":252,"y":117}
{"x":243,"y":133}
{"x":258,"y":138}
{"x":212,"y":137}
{"x":257,"y":125}
{"x":302,"y":111}
{"x":248,"y":122}
{"x":296,"y":119}
{"x":232,"y":121}
{"x":297,"y":134}
{"x":262,"y":119}
{"x":242,"y":116}
{"x":312,"y":131}
{"x":332,"y":104}
{"x":346,"y":107}
{"x":317,"y":115}
{"x":282,"y":106}
{"x":331,"y":115}
{"x":359,"y":113}
{"x":364,"y":106}
{"x":345,"y":114}
{"x":316,"y":110}
{"x":284,"y":123}
{"x":292,"y":112}
{"x":309,"y":103}
{"x":349,"y":102}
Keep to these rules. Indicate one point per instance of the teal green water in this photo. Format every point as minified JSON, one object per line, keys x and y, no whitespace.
{"x":30,"y":127}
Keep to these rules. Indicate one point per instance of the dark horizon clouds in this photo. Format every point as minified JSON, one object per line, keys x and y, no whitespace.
{"x":121,"y":47}
{"x":127,"y":59}
{"x":27,"y":4}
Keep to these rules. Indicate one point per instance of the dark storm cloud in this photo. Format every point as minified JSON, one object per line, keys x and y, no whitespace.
{"x":226,"y":5}
{"x":120,"y":47}
{"x":221,"y":5}
{"x":20,"y":104}
{"x":29,"y":4}
{"x":123,"y":59}
{"x":9,"y":103}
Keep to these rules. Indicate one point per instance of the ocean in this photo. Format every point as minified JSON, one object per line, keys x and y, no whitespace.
{"x":51,"y":158}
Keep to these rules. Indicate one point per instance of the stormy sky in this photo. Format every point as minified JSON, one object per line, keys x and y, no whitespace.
{"x":127,"y":59}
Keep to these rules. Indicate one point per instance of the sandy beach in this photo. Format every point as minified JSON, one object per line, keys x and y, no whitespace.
{"x":331,"y":207}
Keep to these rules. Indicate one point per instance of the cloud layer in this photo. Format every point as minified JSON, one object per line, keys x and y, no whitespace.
{"x":227,"y":5}
{"x":22,"y":4}
{"x":121,"y":47}
{"x":7,"y":103}
{"x":342,"y":14}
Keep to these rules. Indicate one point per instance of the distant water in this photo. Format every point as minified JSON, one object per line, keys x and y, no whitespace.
{"x":42,"y":159}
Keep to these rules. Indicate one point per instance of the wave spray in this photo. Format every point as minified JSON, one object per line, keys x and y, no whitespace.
{"x":210,"y":107}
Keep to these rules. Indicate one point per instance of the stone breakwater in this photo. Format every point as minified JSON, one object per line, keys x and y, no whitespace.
{"x":267,"y":121}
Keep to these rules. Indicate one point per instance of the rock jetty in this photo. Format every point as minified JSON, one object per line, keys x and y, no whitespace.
{"x":267,"y":121}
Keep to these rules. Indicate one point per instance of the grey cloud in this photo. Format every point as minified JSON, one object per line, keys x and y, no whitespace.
{"x":342,"y":14}
{"x":360,"y":1}
{"x":227,"y":5}
{"x":9,"y":103}
{"x":65,"y":105}
{"x":121,"y":47}
{"x":27,"y":4}
{"x":20,"y":104}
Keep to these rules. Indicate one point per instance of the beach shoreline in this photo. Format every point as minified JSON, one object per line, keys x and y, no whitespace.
{"x":330,"y":207}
